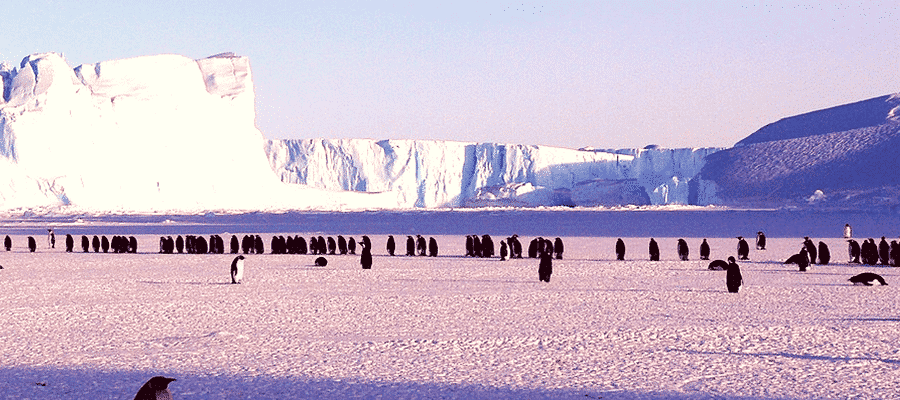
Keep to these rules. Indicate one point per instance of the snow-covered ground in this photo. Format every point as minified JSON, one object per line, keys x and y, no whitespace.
{"x":99,"y":325}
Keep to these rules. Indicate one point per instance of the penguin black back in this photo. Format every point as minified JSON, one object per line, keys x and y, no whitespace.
{"x":704,"y":250}
{"x":654,"y":250}
{"x":620,"y":249}
{"x":866,"y":278}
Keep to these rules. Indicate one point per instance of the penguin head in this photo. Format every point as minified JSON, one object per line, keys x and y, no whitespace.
{"x":159,"y":382}
{"x":731,"y":259}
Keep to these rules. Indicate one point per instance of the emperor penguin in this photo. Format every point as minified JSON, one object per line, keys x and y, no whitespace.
{"x":157,"y":388}
{"x":237,"y":269}
{"x":620,"y":249}
{"x":733,"y":278}
{"x":704,"y":250}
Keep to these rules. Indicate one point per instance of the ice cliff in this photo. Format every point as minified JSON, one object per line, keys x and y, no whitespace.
{"x":154,"y":133}
{"x":424,"y":173}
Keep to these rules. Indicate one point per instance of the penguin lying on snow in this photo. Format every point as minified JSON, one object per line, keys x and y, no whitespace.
{"x":157,"y":388}
{"x":719,"y":265}
{"x":866,"y":278}
{"x":321,"y":262}
{"x":801,"y":259}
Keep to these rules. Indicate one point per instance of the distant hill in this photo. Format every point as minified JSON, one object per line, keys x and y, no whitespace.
{"x":851,"y":153}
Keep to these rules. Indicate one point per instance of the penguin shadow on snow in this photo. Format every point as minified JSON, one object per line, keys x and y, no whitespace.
{"x":64,"y":383}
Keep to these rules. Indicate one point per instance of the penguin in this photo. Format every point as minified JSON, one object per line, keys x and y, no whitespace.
{"x":801,"y":259}
{"x":476,"y":246}
{"x":848,"y":231}
{"x":545,"y":268}
{"x":51,"y":239}
{"x":7,"y":242}
{"x":342,"y":245}
{"x":157,"y":388}
{"x":470,"y":246}
{"x":504,"y":251}
{"x":104,"y":244}
{"x":654,"y":250}
{"x":733,"y":278}
{"x":811,"y":250}
{"x":683,"y":250}
{"x":516,"y":247}
{"x":432,"y":247}
{"x":487,"y":246}
{"x":162,"y":245}
{"x":718,"y":265}
{"x":70,"y":243}
{"x":332,"y":245}
{"x":895,"y":253}
{"x":235,"y":245}
{"x":884,"y":251}
{"x":237,"y":269}
{"x":85,"y":243}
{"x":853,"y":250}
{"x":351,"y":245}
{"x":558,"y":248}
{"x":321,"y":261}
{"x":391,"y":245}
{"x":421,"y":246}
{"x":620,"y":249}
{"x":365,"y":259}
{"x":258,"y":245}
{"x":704,"y":250}
{"x":760,"y":240}
{"x":824,"y":254}
{"x":179,"y":245}
{"x":202,"y":246}
{"x":410,"y":246}
{"x":866,"y":278}
{"x":533,"y":248}
{"x":366,"y":242}
{"x":32,"y":245}
{"x":132,"y":244}
{"x":743,"y":249}
{"x":869,"y":252}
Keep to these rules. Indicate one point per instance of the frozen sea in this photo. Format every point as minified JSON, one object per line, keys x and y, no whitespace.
{"x":94,"y":325}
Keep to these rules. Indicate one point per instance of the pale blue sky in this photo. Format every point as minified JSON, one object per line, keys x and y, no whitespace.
{"x":608,"y":74}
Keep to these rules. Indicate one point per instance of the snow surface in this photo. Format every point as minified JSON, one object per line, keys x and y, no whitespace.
{"x":427,"y":173}
{"x":99,"y":325}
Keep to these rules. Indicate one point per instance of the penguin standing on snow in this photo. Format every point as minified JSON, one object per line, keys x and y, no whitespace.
{"x":620,"y":249}
{"x":558,"y":248}
{"x":683,"y":250}
{"x":743,"y":249}
{"x":654,"y":250}
{"x":432,"y":247}
{"x":884,"y":251}
{"x":32,"y":245}
{"x":853,"y":250}
{"x":410,"y":246}
{"x":365,"y":259}
{"x":237,"y":269}
{"x":7,"y":243}
{"x":391,"y":245}
{"x":504,"y":251}
{"x":810,"y":249}
{"x":824,"y":254}
{"x":733,"y":278}
{"x":157,"y":388}
{"x":704,"y":250}
{"x":545,"y":268}
{"x":760,"y":240}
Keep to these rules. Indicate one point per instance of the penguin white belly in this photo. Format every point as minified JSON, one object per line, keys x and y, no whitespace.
{"x":237,"y":273}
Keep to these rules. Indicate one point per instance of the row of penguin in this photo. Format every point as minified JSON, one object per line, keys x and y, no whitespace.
{"x":476,"y":246}
{"x":482,"y":246}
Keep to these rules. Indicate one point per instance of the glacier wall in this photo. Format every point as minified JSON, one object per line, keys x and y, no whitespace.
{"x":146,"y":134}
{"x":426,"y":173}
